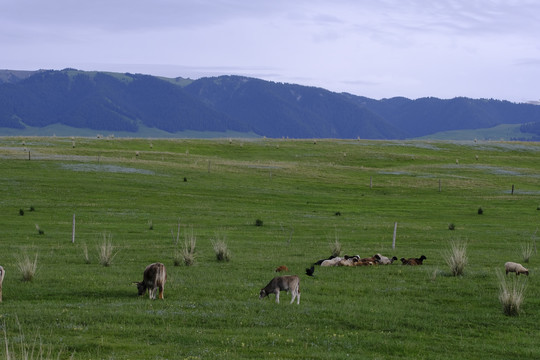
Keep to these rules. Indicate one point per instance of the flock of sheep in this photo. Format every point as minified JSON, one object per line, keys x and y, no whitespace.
{"x":292,"y":282}
{"x":155,"y":275}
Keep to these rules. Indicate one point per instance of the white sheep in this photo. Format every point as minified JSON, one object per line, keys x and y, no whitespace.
{"x":331,"y":262}
{"x":346,"y":262}
{"x":515,"y":267}
{"x":383,"y":260}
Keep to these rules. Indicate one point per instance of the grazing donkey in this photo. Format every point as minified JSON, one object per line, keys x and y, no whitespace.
{"x":283,"y":283}
{"x":2,"y":274}
{"x":154,"y":278}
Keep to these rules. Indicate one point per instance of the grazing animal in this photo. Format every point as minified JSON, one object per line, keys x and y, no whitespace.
{"x":374,"y":259}
{"x":281,"y":268}
{"x":319,"y":262}
{"x":515,"y":267}
{"x":282,"y":283}
{"x":154,"y":278}
{"x":2,"y":274}
{"x":351,"y":261}
{"x":383,"y":260}
{"x":364,"y":262}
{"x":413,"y":261}
{"x":309,"y":271}
{"x":331,"y":262}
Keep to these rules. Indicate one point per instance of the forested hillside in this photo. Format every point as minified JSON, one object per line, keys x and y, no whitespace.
{"x":125,"y":102}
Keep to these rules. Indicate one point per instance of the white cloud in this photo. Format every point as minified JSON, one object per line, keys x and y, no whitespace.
{"x":413,"y":48}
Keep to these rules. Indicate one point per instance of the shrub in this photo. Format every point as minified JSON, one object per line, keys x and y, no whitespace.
{"x":451,"y":226}
{"x":188,"y":252}
{"x":511,"y":293}
{"x":32,"y":208}
{"x":527,"y":251}
{"x":21,"y":212}
{"x":258,"y":222}
{"x":150,"y":225}
{"x":85,"y":254}
{"x":27,"y":267}
{"x":106,"y":252}
{"x":221,"y":250}
{"x":456,"y":257}
{"x":335,"y":246}
{"x":177,"y":257}
{"x":26,"y":348}
{"x":480,"y":211}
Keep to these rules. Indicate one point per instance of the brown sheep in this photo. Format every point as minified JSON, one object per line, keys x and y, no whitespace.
{"x":374,"y":260}
{"x":413,"y":261}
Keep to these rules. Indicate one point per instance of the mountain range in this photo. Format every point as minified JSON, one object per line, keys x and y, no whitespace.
{"x":124,"y":102}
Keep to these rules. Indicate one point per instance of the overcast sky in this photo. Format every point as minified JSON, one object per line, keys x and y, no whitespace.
{"x":379,"y":49}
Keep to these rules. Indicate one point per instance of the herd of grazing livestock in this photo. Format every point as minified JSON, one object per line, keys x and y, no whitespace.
{"x":155,"y":275}
{"x":292,"y":282}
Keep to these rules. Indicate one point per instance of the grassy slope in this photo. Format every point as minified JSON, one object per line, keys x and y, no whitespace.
{"x":296,"y":187}
{"x":503,"y":132}
{"x":144,"y":132}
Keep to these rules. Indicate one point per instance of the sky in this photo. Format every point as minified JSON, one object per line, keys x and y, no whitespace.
{"x":373,"y":48}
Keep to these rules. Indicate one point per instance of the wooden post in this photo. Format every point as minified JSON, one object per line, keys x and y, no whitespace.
{"x":512,"y":189}
{"x":394,"y":238}
{"x":73,"y":231}
{"x":28,"y":154}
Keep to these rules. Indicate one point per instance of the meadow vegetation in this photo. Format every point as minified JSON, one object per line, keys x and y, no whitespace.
{"x":276,"y":202}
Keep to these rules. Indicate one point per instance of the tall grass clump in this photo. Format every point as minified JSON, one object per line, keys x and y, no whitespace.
{"x":177,"y":257}
{"x":34,"y":349}
{"x":221,"y":249}
{"x":86,"y":256}
{"x":188,"y":251}
{"x":335,"y":246}
{"x":27,"y":267}
{"x":511,"y":293}
{"x":527,"y":251}
{"x":456,"y":257}
{"x":106,"y":252}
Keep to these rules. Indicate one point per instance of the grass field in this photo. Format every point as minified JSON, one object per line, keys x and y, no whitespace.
{"x":306,"y":194}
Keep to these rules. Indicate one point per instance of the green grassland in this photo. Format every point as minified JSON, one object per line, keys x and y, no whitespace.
{"x":307,"y":194}
{"x":503,"y":132}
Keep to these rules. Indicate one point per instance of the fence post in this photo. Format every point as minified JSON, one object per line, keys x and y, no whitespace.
{"x":73,"y":231}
